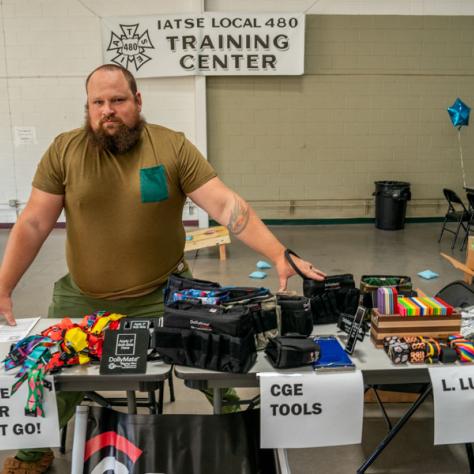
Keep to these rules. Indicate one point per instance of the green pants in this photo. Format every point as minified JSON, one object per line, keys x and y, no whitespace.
{"x":68,"y":301}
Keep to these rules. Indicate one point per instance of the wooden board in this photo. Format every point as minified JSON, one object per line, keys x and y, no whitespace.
{"x":468,"y":272}
{"x":395,"y":320}
{"x":430,"y":326}
{"x":377,"y":338}
{"x":211,"y":237}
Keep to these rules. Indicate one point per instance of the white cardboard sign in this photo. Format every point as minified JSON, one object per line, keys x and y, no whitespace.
{"x":208,"y":43}
{"x":453,"y":395}
{"x":311,"y":410}
{"x":18,"y":431}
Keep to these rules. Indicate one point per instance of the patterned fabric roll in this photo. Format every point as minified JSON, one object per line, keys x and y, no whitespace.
{"x":417,"y":357}
{"x":448,"y":355}
{"x":464,"y":349}
{"x":388,"y":340}
{"x":432,"y":350}
{"x":399,"y":352}
{"x":415,"y":343}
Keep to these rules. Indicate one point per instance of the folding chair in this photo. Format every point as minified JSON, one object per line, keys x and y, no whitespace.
{"x":457,"y":213}
{"x":470,"y":200}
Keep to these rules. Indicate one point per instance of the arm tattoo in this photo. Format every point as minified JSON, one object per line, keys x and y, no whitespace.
{"x":239,"y":216}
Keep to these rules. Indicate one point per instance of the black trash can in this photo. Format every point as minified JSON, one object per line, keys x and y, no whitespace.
{"x":391,"y":204}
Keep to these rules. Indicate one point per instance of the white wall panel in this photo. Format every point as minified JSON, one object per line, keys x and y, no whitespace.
{"x":7,"y":174}
{"x":49,"y":49}
{"x":348,"y":7}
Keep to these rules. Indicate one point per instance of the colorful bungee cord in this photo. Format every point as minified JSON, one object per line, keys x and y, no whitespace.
{"x":60,"y":345}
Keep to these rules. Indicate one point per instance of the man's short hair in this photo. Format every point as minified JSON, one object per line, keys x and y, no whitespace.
{"x":132,"y":83}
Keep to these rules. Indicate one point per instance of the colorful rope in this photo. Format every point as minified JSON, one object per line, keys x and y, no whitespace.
{"x":60,"y":345}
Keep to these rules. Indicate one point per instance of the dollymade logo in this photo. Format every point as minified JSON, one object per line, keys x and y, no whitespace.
{"x":130,"y":46}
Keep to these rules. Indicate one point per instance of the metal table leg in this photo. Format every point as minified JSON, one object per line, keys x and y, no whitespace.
{"x":394,"y":431}
{"x":470,"y":457}
{"x":131,"y":402}
{"x":161,"y":388}
{"x":99,"y":399}
{"x":79,"y":441}
{"x":282,"y":465}
{"x":153,"y":406}
{"x":382,"y":407}
{"x":217,"y":401}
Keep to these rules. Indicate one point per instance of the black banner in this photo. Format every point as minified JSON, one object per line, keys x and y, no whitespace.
{"x":175,"y":444}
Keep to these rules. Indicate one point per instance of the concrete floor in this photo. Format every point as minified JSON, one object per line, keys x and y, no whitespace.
{"x":357,"y":249}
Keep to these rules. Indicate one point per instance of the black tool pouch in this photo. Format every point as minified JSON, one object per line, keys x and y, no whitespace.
{"x":206,"y":350}
{"x":263,"y":308}
{"x":292,"y":351}
{"x":178,"y":283}
{"x":235,"y":321}
{"x":329,"y":298}
{"x":206,"y":336}
{"x":330,"y":283}
{"x":334,"y":295}
{"x":264,"y":312}
{"x":296,"y":316}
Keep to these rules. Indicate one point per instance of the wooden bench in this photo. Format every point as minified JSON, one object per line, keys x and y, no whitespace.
{"x":202,"y":238}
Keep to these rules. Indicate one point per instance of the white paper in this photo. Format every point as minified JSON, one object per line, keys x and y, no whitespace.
{"x":18,"y":431}
{"x":453,"y":395}
{"x":15,"y":333}
{"x":311,"y":410}
{"x":25,"y":136}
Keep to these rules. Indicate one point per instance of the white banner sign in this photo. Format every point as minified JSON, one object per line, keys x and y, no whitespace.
{"x":210,"y":44}
{"x":311,"y":410}
{"x":453,"y":395}
{"x":18,"y":431}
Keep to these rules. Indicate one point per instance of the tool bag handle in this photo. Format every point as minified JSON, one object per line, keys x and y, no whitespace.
{"x":289,"y":259}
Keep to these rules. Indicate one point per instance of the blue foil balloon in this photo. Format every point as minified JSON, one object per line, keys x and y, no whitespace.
{"x":459,"y":113}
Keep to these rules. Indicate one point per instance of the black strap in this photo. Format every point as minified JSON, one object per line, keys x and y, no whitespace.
{"x":289,"y":259}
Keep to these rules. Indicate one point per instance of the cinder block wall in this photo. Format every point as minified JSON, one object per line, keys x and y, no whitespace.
{"x":371,"y":106}
{"x":47,"y":49}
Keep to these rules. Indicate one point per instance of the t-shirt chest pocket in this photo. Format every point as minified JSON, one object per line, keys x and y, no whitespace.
{"x":153,"y":186}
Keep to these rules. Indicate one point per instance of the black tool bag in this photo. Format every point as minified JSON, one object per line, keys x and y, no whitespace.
{"x":177,"y":283}
{"x":234,"y":321}
{"x":292,"y":351}
{"x":330,"y":283}
{"x":296,"y":316}
{"x":265,"y":313}
{"x":334,"y":295}
{"x":263,"y":307}
{"x":207,"y":336}
{"x":329,"y":298}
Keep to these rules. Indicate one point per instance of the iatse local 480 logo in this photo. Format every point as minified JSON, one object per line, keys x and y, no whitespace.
{"x":130,"y":46}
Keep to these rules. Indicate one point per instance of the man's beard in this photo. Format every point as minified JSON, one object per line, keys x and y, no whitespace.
{"x":123,"y":140}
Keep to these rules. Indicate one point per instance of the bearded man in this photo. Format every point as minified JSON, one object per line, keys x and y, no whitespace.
{"x":123,"y":184}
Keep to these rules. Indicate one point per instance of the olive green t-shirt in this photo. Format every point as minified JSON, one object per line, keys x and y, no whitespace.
{"x":123,"y":212}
